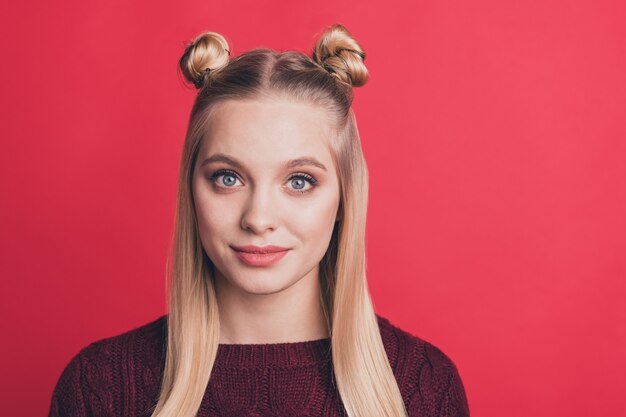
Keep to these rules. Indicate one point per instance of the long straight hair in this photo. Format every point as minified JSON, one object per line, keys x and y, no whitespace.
{"x":363,"y":375}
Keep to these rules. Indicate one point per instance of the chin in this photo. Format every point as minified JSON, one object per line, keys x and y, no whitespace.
{"x":262,"y":287}
{"x":261,"y":282}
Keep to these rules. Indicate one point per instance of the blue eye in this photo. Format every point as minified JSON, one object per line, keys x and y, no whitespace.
{"x":229,"y":178}
{"x":298,"y":181}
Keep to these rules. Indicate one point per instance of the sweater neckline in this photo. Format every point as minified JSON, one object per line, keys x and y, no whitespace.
{"x":286,"y":354}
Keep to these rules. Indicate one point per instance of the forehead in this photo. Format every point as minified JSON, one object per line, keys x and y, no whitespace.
{"x":268,"y":129}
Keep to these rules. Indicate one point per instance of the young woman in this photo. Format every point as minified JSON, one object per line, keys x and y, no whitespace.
{"x":269,"y":311}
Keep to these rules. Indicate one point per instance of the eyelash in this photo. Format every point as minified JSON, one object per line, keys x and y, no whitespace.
{"x":213,"y":178}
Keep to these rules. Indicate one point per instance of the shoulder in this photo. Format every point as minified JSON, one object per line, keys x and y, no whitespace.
{"x":144,"y":339}
{"x":403,"y":346}
{"x":94,"y":374}
{"x":427,"y":376}
{"x":131,"y":351}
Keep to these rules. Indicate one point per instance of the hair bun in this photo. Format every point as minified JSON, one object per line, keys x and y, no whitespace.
{"x":341,"y":55}
{"x":207,"y":53}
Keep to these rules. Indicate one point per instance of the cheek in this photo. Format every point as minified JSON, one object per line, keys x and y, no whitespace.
{"x":213,"y":218}
{"x":315,"y":219}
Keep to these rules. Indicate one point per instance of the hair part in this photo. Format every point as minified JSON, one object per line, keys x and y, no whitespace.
{"x":364,"y":378}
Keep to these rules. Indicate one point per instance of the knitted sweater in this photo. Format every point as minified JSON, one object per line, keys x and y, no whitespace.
{"x":121,"y":375}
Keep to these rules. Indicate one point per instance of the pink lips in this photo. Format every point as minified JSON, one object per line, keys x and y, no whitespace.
{"x":260,"y":255}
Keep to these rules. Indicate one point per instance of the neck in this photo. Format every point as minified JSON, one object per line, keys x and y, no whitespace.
{"x":293,"y":314}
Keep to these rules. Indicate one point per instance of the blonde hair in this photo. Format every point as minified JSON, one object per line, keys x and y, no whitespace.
{"x":363,"y":375}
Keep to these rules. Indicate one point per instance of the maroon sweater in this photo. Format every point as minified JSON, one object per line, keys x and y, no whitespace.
{"x":120,"y":376}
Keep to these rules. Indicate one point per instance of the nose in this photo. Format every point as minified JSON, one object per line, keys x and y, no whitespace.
{"x":260,"y":212}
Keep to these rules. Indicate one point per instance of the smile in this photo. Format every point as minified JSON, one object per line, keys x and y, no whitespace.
{"x":260,"y":259}
{"x":260,"y":256}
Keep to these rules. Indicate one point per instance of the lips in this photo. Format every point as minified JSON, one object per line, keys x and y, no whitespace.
{"x":259,"y":249}
{"x":260,"y":255}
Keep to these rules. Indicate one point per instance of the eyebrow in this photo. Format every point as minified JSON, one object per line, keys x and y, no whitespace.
{"x":292,"y":163}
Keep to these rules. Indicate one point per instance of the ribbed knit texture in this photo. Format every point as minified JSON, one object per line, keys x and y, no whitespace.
{"x":121,"y":375}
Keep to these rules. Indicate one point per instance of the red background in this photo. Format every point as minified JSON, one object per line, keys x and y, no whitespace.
{"x":495,"y":137}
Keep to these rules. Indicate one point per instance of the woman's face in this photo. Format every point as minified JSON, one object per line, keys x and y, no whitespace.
{"x":265,"y":176}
